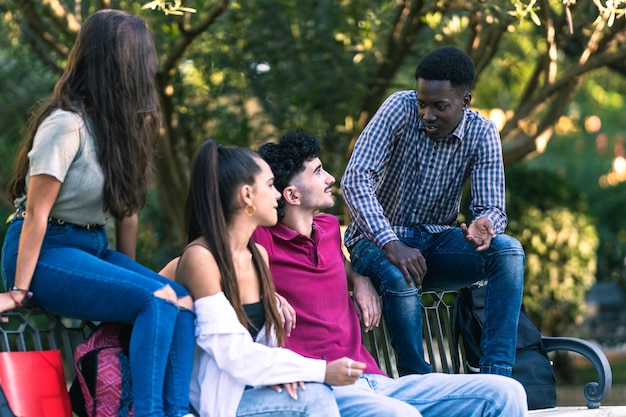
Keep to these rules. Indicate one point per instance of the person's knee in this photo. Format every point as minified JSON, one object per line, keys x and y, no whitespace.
{"x":508,"y":394}
{"x":186,"y":302}
{"x":167,"y":293}
{"x":507,"y":244}
{"x":515,"y":398}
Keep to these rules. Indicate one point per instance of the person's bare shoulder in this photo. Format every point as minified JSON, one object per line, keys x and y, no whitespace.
{"x":198,"y":272}
{"x":169,"y":270}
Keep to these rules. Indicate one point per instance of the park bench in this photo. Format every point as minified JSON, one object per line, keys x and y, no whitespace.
{"x":36,"y":329}
{"x":445,"y":356}
{"x":27,"y":329}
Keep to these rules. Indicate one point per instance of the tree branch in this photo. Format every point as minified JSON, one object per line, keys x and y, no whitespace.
{"x":170,"y":172}
{"x":190,"y":34}
{"x":407,"y":24}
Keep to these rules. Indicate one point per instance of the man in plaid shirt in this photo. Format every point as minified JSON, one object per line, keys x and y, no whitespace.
{"x":403,"y":187}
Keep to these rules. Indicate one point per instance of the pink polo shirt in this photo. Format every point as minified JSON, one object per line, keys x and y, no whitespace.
{"x":310,"y":274}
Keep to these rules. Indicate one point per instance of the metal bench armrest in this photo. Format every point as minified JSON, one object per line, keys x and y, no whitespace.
{"x":594,"y":391}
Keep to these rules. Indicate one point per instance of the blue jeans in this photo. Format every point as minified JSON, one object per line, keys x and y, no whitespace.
{"x":315,"y":401}
{"x":452,"y":263}
{"x":432,"y":395}
{"x":77,"y":276}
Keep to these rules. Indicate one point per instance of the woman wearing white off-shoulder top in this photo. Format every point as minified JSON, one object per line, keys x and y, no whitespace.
{"x":239,"y":367}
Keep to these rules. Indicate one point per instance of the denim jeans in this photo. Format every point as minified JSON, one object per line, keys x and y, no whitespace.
{"x":452,"y":263}
{"x":315,"y":401}
{"x":432,"y":395}
{"x":78,"y":276}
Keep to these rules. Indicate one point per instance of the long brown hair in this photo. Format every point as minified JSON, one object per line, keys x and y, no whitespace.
{"x":217,"y":172}
{"x":110,"y":80}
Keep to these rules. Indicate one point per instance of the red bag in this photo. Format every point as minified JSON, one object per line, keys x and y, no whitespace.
{"x":34,"y":383}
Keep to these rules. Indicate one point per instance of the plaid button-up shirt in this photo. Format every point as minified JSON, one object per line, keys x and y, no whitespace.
{"x":399,"y":178}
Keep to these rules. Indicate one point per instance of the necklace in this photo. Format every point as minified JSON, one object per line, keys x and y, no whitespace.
{"x":246,"y":258}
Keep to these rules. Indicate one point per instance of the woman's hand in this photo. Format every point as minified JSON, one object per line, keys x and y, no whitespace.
{"x":344,"y":371}
{"x":7,"y":303}
{"x":291,"y":388}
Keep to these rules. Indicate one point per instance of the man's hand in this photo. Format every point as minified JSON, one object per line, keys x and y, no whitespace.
{"x":366,"y":301}
{"x":479,"y":233}
{"x":409,"y":260}
{"x":287,"y":314}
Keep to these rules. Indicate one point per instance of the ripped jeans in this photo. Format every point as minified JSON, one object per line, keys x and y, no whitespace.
{"x":77,"y":276}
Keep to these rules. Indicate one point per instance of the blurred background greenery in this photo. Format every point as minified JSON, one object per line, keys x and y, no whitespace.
{"x":552,"y":74}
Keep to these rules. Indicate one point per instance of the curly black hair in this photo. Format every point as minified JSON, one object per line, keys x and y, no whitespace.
{"x":287,"y":157}
{"x":447,"y":63}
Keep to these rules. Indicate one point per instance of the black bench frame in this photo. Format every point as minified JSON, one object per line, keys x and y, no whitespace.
{"x":444,"y":356}
{"x":37,"y":329}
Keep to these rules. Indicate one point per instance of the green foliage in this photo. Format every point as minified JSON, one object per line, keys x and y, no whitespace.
{"x":586,"y":159}
{"x":285,"y":65}
{"x":154,"y":248}
{"x":552,"y":221}
{"x":618,"y":370}
{"x":258,"y":68}
{"x":23,"y":80}
{"x":523,"y":11}
{"x":168,"y":7}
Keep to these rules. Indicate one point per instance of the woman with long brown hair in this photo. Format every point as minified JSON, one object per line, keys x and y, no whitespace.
{"x":86,"y":158}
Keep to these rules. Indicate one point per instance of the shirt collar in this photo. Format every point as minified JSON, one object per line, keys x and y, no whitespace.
{"x":458,"y":132}
{"x":286,"y":233}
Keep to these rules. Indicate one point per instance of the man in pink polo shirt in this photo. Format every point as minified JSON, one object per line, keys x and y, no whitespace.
{"x":311,"y":272}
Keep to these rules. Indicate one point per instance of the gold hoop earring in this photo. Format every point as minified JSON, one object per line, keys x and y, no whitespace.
{"x":249,"y":210}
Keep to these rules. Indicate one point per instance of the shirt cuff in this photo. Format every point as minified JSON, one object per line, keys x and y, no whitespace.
{"x":384,"y":237}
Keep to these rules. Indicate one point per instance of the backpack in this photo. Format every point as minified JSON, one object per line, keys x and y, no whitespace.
{"x":533,"y":368}
{"x":103,"y":373}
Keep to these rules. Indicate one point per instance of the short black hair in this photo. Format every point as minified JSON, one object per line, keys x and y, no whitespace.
{"x":287,"y":157}
{"x":447,"y":63}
